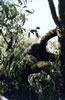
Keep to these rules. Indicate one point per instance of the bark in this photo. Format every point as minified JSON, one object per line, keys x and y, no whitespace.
{"x":61,"y":8}
{"x":61,"y":38}
{"x":53,"y":13}
{"x":61,"y":32}
{"x":61,"y":46}
{"x":61,"y":26}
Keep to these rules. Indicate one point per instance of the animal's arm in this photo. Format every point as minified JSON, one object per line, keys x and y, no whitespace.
{"x":48,"y":36}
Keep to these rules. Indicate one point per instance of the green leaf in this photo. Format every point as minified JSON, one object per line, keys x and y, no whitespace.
{"x":0,"y":30}
{"x":10,"y":10}
{"x":37,"y":35}
{"x":33,"y":31}
{"x":37,"y":27}
{"x":20,"y":2}
{"x":29,"y":11}
{"x":29,"y":34}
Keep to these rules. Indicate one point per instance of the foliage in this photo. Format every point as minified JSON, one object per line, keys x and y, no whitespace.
{"x":15,"y":83}
{"x":46,"y":85}
{"x":12,"y":72}
{"x":13,"y":44}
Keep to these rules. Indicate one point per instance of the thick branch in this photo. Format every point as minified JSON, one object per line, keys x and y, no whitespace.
{"x":53,"y":12}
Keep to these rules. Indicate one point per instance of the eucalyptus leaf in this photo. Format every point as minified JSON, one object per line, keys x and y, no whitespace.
{"x":37,"y":27}
{"x":37,"y":35}
{"x":29,"y":11}
{"x":20,"y":1}
{"x":29,"y":34}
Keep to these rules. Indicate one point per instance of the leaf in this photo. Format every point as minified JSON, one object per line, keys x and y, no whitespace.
{"x":25,"y":6}
{"x":20,"y":2}
{"x":37,"y":35}
{"x":29,"y":11}
{"x":6,"y":9}
{"x":24,"y":29}
{"x":10,"y":10}
{"x":0,"y":30}
{"x":37,"y":27}
{"x":33,"y":31}
{"x":23,"y":19}
{"x":29,"y":34}
{"x":13,"y":11}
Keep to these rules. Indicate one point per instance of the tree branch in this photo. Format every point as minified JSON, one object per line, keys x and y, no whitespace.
{"x":3,"y":36}
{"x":53,"y":12}
{"x":61,"y":7}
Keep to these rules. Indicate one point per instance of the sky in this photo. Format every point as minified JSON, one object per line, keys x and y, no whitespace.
{"x":41,"y":16}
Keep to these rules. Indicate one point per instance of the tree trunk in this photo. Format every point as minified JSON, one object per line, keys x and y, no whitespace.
{"x":61,"y":38}
{"x":61,"y":8}
{"x":53,"y":13}
{"x":60,"y":22}
{"x":61,"y":46}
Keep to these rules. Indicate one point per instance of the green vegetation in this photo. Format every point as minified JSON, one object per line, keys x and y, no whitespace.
{"x":15,"y":82}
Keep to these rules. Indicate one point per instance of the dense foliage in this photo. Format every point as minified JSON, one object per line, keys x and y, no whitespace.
{"x":15,"y":84}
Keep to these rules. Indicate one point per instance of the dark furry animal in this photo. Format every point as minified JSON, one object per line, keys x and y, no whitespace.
{"x":40,"y":53}
{"x":34,"y":50}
